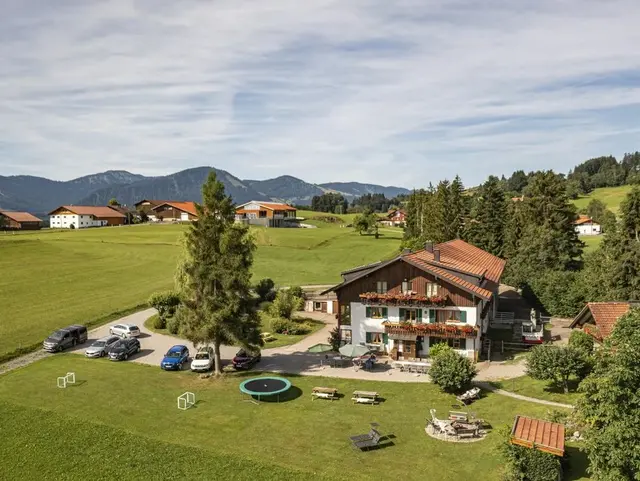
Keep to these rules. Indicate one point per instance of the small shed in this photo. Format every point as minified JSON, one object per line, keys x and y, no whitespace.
{"x":532,"y":433}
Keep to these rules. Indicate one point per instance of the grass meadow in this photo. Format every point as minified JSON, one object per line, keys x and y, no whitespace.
{"x":611,"y":196}
{"x":54,"y":278}
{"x":121,"y":420}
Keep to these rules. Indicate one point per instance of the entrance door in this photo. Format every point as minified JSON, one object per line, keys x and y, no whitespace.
{"x":324,"y":307}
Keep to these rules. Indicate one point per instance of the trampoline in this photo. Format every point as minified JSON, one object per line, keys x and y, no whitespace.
{"x":259,"y":387}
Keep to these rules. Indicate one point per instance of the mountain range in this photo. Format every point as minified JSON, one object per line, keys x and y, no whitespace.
{"x":39,"y":195}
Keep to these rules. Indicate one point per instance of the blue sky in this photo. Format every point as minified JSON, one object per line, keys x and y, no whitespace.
{"x":405,"y":92}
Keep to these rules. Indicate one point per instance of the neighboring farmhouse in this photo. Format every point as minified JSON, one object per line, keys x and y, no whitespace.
{"x":173,"y":211}
{"x":599,"y":318}
{"x":585,"y":225}
{"x":394,"y":218}
{"x":83,"y":216}
{"x":268,"y":214}
{"x":444,"y":293}
{"x":317,"y":301}
{"x":145,"y":206}
{"x":19,"y":220}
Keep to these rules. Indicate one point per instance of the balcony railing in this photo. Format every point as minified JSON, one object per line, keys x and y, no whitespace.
{"x":436,"y":329}
{"x":402,"y":299}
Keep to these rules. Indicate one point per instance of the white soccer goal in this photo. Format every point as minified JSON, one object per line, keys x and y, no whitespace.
{"x":69,"y":378}
{"x":186,"y":400}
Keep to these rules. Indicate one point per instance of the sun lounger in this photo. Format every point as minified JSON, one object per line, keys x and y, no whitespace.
{"x":366,"y":441}
{"x":469,"y":396}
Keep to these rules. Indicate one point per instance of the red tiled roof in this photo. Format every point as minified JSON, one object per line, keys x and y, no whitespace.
{"x":535,"y":433}
{"x":96,"y":211}
{"x":153,"y":202}
{"x":269,"y":205}
{"x":188,"y":207}
{"x":604,"y":314}
{"x":584,"y":219}
{"x":19,"y":216}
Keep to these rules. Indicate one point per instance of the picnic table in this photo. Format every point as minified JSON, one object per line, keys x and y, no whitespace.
{"x":365,"y":397}
{"x":324,"y":393}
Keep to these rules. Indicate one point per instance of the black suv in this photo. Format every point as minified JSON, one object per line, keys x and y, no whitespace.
{"x":245,"y":359}
{"x":122,"y":349}
{"x":64,"y":338}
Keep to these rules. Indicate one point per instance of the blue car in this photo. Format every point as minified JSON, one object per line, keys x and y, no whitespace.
{"x":175,"y":358}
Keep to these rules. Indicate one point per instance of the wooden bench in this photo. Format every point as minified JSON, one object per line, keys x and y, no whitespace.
{"x":324,"y":393}
{"x":458,"y":416}
{"x":365,"y":397}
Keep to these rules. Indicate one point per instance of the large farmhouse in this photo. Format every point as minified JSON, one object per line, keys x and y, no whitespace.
{"x":19,"y":220}
{"x":585,"y":225}
{"x":174,"y":211}
{"x":444,"y":293}
{"x":269,"y":214}
{"x":599,"y":318}
{"x":83,"y":216}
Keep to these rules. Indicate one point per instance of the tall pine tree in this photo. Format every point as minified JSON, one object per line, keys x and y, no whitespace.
{"x":486,"y":227}
{"x":215,"y":276}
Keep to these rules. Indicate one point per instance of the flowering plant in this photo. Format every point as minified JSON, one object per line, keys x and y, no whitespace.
{"x":400,"y":298}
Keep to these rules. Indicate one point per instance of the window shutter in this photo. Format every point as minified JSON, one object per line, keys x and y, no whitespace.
{"x":401,"y":314}
{"x":368,"y":337}
{"x":385,"y":338}
{"x":419,"y":315}
{"x":368,"y":312}
{"x":463,"y":316}
{"x":432,"y":315}
{"x":385,"y":312}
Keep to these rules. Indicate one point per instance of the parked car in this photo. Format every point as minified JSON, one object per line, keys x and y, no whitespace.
{"x":175,"y":358}
{"x":123,"y":348}
{"x":100,"y":347}
{"x":125,"y":330}
{"x":203,"y":360}
{"x":64,"y":338}
{"x":245,"y":359}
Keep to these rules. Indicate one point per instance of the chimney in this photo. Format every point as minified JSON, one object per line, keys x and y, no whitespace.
{"x":406,"y":251}
{"x":428,"y":246}
{"x":436,"y":255}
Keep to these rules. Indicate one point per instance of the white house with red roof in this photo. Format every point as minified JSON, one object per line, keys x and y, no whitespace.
{"x":444,"y":293}
{"x":268,"y":214}
{"x":84,"y":216}
{"x":585,"y":225}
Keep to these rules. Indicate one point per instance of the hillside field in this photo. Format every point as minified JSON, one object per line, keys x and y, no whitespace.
{"x":59,"y":277}
{"x":611,"y":196}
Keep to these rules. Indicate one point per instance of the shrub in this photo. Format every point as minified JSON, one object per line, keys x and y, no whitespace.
{"x":281,"y":325}
{"x":165,"y":303}
{"x":451,"y":371}
{"x":296,"y":291}
{"x":581,"y":341}
{"x":158,"y":322}
{"x":527,"y":464}
{"x":173,"y":325}
{"x":265,"y":289}
{"x":438,"y":349}
{"x":334,"y":338}
{"x":299,"y":328}
{"x":285,"y":304}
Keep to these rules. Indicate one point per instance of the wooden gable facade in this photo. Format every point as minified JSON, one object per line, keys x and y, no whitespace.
{"x":397,"y":272}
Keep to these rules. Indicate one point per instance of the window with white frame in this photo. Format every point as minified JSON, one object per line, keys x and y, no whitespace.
{"x":407,"y":286}
{"x":381,"y":287}
{"x":377,"y":313}
{"x":432,"y":289}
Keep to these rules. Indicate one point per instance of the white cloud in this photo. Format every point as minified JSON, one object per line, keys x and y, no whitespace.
{"x":401,"y":92}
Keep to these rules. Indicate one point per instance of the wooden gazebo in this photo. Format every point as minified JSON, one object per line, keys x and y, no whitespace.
{"x":537,"y":434}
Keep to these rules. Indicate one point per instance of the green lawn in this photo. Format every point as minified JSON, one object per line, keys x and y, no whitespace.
{"x":280,"y":339}
{"x":122,"y":417}
{"x":55,"y":278}
{"x":530,"y":387}
{"x":611,"y":196}
{"x":592,"y":242}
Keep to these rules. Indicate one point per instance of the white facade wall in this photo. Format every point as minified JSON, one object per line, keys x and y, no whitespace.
{"x":309,"y":305}
{"x":589,"y":229}
{"x":360,"y":325}
{"x":65,"y":221}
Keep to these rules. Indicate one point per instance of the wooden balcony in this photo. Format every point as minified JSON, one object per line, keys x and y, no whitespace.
{"x":391,"y":299}
{"x":407,"y":330}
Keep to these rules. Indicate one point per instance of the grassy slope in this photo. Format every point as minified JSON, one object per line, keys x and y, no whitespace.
{"x":591,"y":242}
{"x":309,"y":436}
{"x":530,"y":387}
{"x":611,"y":196}
{"x":55,"y":278}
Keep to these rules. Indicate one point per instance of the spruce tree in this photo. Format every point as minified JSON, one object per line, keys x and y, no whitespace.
{"x":456,"y":211}
{"x":215,"y":276}
{"x":487,"y":224}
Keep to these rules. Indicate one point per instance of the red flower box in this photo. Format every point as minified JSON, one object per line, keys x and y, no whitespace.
{"x":388,"y":298}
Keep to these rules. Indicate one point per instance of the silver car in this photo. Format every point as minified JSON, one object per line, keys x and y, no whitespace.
{"x":99,"y":348}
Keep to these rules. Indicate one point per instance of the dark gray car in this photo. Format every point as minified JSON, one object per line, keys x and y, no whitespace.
{"x":64,"y":338}
{"x":123,"y":348}
{"x":100,"y":347}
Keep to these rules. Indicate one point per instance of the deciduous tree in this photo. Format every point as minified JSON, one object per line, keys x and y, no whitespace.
{"x":555,"y":363}
{"x":451,"y":371}
{"x":215,"y":276}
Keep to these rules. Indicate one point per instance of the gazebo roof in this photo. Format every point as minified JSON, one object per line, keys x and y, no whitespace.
{"x":535,"y":433}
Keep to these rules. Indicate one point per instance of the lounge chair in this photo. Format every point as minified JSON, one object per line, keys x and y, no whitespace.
{"x":469,"y":396}
{"x":267,"y":337}
{"x":366,"y":441}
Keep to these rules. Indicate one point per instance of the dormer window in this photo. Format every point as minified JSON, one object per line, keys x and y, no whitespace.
{"x":381,"y":287}
{"x":431,"y":289}
{"x":406,"y":287}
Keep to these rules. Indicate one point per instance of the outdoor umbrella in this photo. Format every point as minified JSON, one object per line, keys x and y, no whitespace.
{"x":320,"y":348}
{"x":350,"y":350}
